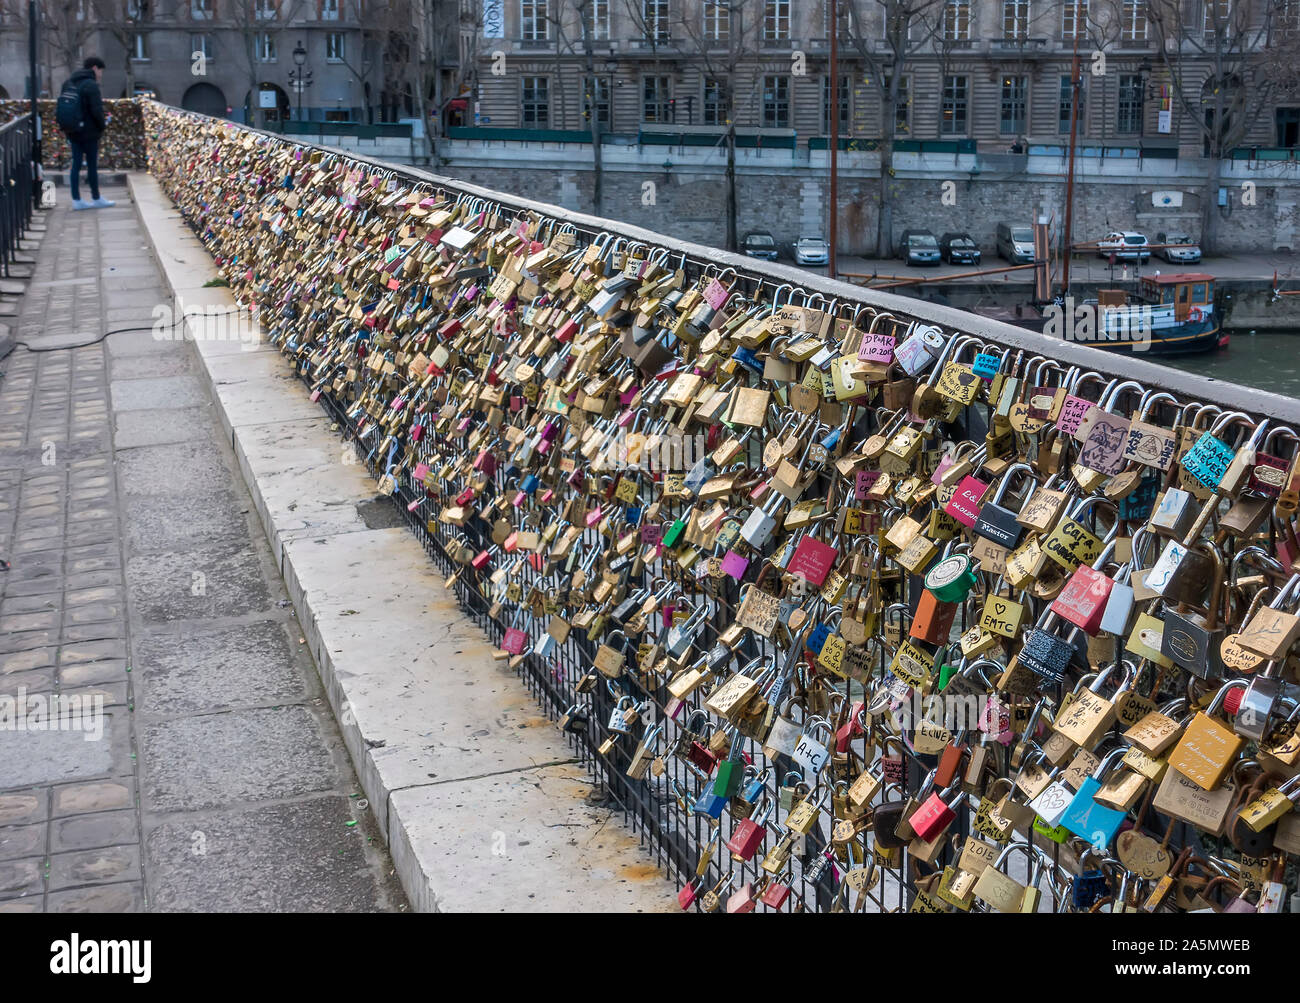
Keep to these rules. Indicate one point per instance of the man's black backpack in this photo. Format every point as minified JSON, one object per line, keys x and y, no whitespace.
{"x":68,"y":110}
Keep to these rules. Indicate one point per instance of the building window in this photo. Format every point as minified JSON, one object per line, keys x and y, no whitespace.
{"x":717,"y":109}
{"x":1072,"y":12}
{"x":1066,"y":102}
{"x":1133,"y":24}
{"x":535,"y":103}
{"x":1015,"y":19}
{"x":201,"y":45}
{"x":1288,"y":126}
{"x":903,"y":109}
{"x":334,"y":47}
{"x":596,"y":15}
{"x":597,"y":89}
{"x":845,"y":117}
{"x":266,"y":10}
{"x":776,"y":19}
{"x":1012,"y":121}
{"x":656,"y":97}
{"x":1129,"y":110}
{"x":533,"y":24}
{"x":140,"y":47}
{"x":956,"y":20}
{"x":329,"y":10}
{"x":1218,"y":16}
{"x":1287,"y":18}
{"x":956,"y":106}
{"x":776,"y":102}
{"x":717,"y":20}
{"x":201,"y":10}
{"x":137,"y":10}
{"x":264,"y":44}
{"x":844,"y":16}
{"x":655,"y":14}
{"x":901,"y":18}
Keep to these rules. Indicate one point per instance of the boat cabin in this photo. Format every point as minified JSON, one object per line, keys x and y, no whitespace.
{"x":1182,"y":291}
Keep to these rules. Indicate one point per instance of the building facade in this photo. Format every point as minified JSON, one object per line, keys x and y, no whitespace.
{"x":243,"y":59}
{"x":995,"y":72}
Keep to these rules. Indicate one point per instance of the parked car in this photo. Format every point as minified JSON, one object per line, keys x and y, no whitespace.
{"x":1016,"y":243}
{"x":1125,"y":245}
{"x":918,"y":247}
{"x":759,"y":244}
{"x":1178,"y":255}
{"x":812,"y":251}
{"x":959,"y":248}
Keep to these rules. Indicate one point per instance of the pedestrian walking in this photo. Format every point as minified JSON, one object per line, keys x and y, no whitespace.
{"x":80,"y":114}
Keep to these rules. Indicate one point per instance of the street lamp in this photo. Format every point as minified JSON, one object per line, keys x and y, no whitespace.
{"x":300,"y":77}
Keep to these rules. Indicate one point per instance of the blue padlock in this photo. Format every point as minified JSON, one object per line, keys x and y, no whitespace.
{"x":710,"y":804}
{"x":1087,"y":888}
{"x":1085,"y":817}
{"x":986,"y":365}
{"x":747,"y":358}
{"x":816,"y":638}
{"x":529,"y":484}
{"x":752,"y":788}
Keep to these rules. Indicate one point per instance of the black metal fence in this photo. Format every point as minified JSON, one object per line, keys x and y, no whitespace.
{"x":18,"y":187}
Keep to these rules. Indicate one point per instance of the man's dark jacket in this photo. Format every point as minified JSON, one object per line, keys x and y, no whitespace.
{"x":92,"y":105}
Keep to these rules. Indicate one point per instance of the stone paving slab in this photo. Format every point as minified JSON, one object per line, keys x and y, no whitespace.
{"x":139,"y":585}
{"x":482,"y":802}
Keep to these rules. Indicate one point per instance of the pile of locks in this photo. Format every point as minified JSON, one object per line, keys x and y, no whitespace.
{"x":885,"y":615}
{"x":121,"y":148}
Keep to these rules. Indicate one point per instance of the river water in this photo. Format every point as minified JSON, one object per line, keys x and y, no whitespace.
{"x":1266,"y":361}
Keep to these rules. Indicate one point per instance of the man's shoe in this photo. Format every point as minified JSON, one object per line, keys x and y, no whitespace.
{"x":102,"y":203}
{"x":80,"y":204}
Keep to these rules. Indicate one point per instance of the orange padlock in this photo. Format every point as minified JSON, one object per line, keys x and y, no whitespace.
{"x":933,"y":620}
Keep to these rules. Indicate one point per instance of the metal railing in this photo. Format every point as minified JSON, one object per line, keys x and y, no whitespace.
{"x":653,"y":805}
{"x":18,"y":188}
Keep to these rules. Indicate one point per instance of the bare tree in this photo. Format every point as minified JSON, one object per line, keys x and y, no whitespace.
{"x":65,"y":27}
{"x":723,"y":36}
{"x":886,"y":35}
{"x":1225,"y":71}
{"x":121,"y":20}
{"x":451,"y":39}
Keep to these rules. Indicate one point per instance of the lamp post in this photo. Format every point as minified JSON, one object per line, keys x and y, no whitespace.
{"x":300,"y":77}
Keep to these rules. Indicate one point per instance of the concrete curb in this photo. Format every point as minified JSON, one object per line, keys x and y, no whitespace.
{"x":480,"y":799}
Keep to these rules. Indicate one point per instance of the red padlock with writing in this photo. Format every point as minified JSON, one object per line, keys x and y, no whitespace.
{"x":748,"y":835}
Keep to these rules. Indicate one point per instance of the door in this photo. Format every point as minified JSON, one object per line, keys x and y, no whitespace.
{"x":1182,"y":302}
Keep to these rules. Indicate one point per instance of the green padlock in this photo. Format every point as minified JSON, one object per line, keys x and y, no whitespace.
{"x":1058,"y":835}
{"x":952,"y":578}
{"x":674,"y":532}
{"x":727,"y":782}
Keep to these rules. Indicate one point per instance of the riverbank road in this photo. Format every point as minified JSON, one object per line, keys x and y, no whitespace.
{"x":1084,"y":268}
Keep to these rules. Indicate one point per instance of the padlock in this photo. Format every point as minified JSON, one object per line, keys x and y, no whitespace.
{"x":1207,"y":749}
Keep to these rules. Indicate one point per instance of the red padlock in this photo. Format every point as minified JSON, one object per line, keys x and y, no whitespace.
{"x":850,"y":729}
{"x":748,"y":835}
{"x":686,"y":897}
{"x":702,"y":756}
{"x":482,"y":559}
{"x":934,"y":815}
{"x":775,"y":894}
{"x":742,"y":899}
{"x":1083,"y":600}
{"x":514,"y":641}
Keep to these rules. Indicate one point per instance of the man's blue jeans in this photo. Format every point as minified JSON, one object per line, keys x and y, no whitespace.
{"x":88,"y":150}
